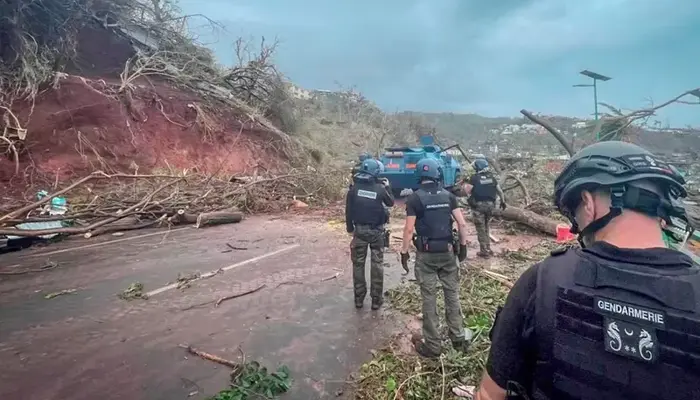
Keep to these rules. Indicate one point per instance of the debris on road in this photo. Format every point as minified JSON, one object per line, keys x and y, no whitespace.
{"x":184,"y":280}
{"x":334,"y":276}
{"x":232,"y":247}
{"x":106,"y":203}
{"x":46,"y":267}
{"x":249,"y":380}
{"x":253,"y":381}
{"x":235,"y":296}
{"x":134,"y":291}
{"x":211,"y":357}
{"x":60,"y":293}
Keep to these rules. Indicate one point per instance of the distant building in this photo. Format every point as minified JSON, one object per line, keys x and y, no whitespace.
{"x":299,"y":93}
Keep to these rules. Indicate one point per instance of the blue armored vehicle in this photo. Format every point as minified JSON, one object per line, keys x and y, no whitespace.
{"x":400,"y":164}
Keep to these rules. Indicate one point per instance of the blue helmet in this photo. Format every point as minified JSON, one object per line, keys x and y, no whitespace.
{"x":371,"y":167}
{"x":480,"y":164}
{"x":381,"y":167}
{"x":428,"y":168}
{"x":364,"y":156}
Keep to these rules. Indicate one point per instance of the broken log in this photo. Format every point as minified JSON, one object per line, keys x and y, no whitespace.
{"x":529,"y":218}
{"x":218,"y":217}
{"x":183,"y":217}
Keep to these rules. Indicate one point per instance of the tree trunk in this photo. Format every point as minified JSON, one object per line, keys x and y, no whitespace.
{"x":218,"y":217}
{"x":529,"y":218}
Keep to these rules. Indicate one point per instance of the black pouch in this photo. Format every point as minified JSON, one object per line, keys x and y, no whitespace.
{"x":433,"y":246}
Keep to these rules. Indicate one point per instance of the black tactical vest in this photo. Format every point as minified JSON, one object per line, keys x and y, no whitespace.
{"x":608,"y":330}
{"x":368,"y":208}
{"x":434,"y":220}
{"x":484,"y":187}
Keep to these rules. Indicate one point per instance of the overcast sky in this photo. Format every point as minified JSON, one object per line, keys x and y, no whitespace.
{"x":473,"y":57}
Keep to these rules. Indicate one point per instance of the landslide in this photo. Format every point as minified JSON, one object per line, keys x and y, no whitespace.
{"x":121,"y":86}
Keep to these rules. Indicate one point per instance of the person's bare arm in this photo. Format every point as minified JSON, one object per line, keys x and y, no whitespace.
{"x":499,"y":190}
{"x":461,"y":225}
{"x":467,"y":188}
{"x":489,"y":390}
{"x":408,"y":228}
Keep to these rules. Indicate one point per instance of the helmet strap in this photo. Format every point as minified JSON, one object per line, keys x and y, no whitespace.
{"x":617,"y":194}
{"x":633,"y":198}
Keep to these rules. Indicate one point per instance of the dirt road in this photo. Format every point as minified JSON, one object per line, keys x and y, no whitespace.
{"x":91,"y":344}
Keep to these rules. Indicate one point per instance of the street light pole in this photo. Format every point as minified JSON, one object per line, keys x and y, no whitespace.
{"x":596,"y":77}
{"x":595,"y":98}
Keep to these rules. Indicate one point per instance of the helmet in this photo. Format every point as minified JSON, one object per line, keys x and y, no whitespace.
{"x":428,"y":168}
{"x":480,"y":164}
{"x":381,"y":167}
{"x":620,"y":166}
{"x":371,"y":167}
{"x":479,"y":156}
{"x":364,"y":156}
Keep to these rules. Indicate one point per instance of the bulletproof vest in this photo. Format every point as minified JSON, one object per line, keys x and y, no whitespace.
{"x":484,"y":187}
{"x":368,"y":208}
{"x":608,"y":330}
{"x":434,"y":221}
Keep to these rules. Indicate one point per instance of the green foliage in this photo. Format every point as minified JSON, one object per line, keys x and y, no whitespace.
{"x":416,"y":378}
{"x":253,"y":381}
{"x":396,"y":375}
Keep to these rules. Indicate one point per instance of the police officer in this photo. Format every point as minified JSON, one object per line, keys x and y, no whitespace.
{"x":618,"y":318}
{"x":365,"y":217}
{"x":430,"y":210}
{"x":483,"y":188}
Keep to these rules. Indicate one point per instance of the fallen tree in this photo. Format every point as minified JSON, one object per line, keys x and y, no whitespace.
{"x":529,"y":218}
{"x":100,"y":203}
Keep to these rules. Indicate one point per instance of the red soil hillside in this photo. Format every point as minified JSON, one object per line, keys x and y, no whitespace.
{"x":76,"y":126}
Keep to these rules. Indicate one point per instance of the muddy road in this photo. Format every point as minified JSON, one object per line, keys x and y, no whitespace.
{"x":91,"y":344}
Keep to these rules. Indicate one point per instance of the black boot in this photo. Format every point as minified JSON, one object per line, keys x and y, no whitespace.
{"x":377,"y":303}
{"x":483,"y":254}
{"x":461,"y":346}
{"x":359,"y":302}
{"x":424,"y":351}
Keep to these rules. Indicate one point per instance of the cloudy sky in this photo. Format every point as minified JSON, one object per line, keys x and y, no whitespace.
{"x":467,"y":56}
